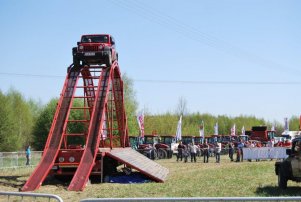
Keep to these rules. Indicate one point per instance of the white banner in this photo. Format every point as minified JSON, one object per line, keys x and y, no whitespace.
{"x":264,"y":153}
{"x":179,"y":130}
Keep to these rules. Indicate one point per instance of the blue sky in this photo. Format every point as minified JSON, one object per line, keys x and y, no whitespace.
{"x":224,"y":57}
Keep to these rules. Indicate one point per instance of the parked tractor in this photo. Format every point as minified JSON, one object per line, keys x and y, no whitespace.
{"x":153,"y":149}
{"x":289,"y":169}
{"x":169,"y":140}
{"x":186,"y":140}
{"x":261,"y":133}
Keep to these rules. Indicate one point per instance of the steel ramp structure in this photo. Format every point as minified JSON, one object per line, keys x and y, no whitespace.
{"x":55,"y":134}
{"x":139,"y":162}
{"x":90,"y":116}
{"x":84,"y":169}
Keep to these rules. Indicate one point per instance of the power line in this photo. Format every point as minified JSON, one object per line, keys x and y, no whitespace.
{"x":224,"y":82}
{"x":143,"y":10}
{"x":173,"y":81}
{"x":31,"y":75}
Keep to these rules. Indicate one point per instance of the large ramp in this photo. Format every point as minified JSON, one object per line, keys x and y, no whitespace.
{"x":55,"y":134}
{"x":135,"y":160}
{"x":87,"y":161}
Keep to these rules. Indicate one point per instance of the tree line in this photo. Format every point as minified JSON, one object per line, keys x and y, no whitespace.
{"x":191,"y":123}
{"x":27,"y":122}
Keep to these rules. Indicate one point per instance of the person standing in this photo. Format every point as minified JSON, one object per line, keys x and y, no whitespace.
{"x":185,"y":153}
{"x":193,"y":151}
{"x":181,"y":147}
{"x":218,"y":149}
{"x":239,"y":148}
{"x":206,"y":152}
{"x":28,"y":155}
{"x":241,"y":145}
{"x":231,"y":150}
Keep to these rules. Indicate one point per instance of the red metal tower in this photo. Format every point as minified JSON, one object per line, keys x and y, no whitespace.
{"x":101,"y":123}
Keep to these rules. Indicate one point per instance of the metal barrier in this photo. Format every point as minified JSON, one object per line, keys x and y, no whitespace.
{"x":31,"y":195}
{"x":18,"y":159}
{"x":195,"y":199}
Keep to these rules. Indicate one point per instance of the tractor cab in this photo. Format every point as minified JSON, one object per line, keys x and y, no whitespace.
{"x":187,"y":140}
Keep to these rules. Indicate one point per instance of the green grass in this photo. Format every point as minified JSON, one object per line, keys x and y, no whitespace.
{"x":227,"y":179}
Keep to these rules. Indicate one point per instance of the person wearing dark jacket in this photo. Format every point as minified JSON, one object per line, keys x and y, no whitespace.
{"x":231,"y":150}
{"x":181,"y":147}
{"x":206,"y":149}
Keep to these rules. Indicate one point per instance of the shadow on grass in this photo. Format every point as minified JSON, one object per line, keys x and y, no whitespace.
{"x":58,"y":180}
{"x":269,"y":191}
{"x":12,"y":181}
{"x":17,"y":181}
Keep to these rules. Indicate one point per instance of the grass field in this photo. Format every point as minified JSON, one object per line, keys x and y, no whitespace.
{"x":227,"y":179}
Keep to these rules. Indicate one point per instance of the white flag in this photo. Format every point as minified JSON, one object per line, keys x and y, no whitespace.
{"x":243,"y":131}
{"x":233,"y":130}
{"x":202,"y":129}
{"x":140,"y":119}
{"x":216,"y":129}
{"x":179,"y":130}
{"x":286,"y":125}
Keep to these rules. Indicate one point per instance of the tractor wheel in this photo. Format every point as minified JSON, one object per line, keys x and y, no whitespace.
{"x":162,"y":154}
{"x":282,"y":180}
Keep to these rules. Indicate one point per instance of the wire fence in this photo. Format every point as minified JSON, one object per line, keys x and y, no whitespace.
{"x":18,"y":159}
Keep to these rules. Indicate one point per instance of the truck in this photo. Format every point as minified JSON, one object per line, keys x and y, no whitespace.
{"x":95,"y":49}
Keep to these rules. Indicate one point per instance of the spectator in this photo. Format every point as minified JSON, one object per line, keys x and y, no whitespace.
{"x":193,"y":151}
{"x":181,"y":147}
{"x":231,"y":150}
{"x":28,"y":155}
{"x":218,"y":149}
{"x":239,"y":156}
{"x":185,"y":153}
{"x":206,"y":152}
{"x":270,"y":143}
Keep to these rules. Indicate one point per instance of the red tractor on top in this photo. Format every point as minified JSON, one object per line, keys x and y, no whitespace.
{"x":95,"y":49}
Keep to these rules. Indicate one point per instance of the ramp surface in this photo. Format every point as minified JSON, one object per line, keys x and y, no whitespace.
{"x":83,"y":171}
{"x":55,"y":135}
{"x":139,"y":162}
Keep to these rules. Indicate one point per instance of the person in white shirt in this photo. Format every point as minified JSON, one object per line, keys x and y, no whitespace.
{"x":193,"y":150}
{"x":218,"y":149}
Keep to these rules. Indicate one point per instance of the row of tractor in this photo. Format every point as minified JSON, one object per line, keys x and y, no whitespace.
{"x":164,"y":146}
{"x":155,"y":146}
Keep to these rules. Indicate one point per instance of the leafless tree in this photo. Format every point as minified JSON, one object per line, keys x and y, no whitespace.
{"x":182,"y":107}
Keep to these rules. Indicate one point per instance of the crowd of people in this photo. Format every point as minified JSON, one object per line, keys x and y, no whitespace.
{"x":193,"y":150}
{"x":207,"y":150}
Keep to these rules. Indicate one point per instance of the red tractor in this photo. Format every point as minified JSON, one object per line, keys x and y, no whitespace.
{"x":170,"y":141}
{"x":262,"y":134}
{"x":95,"y":49}
{"x":152,"y":148}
